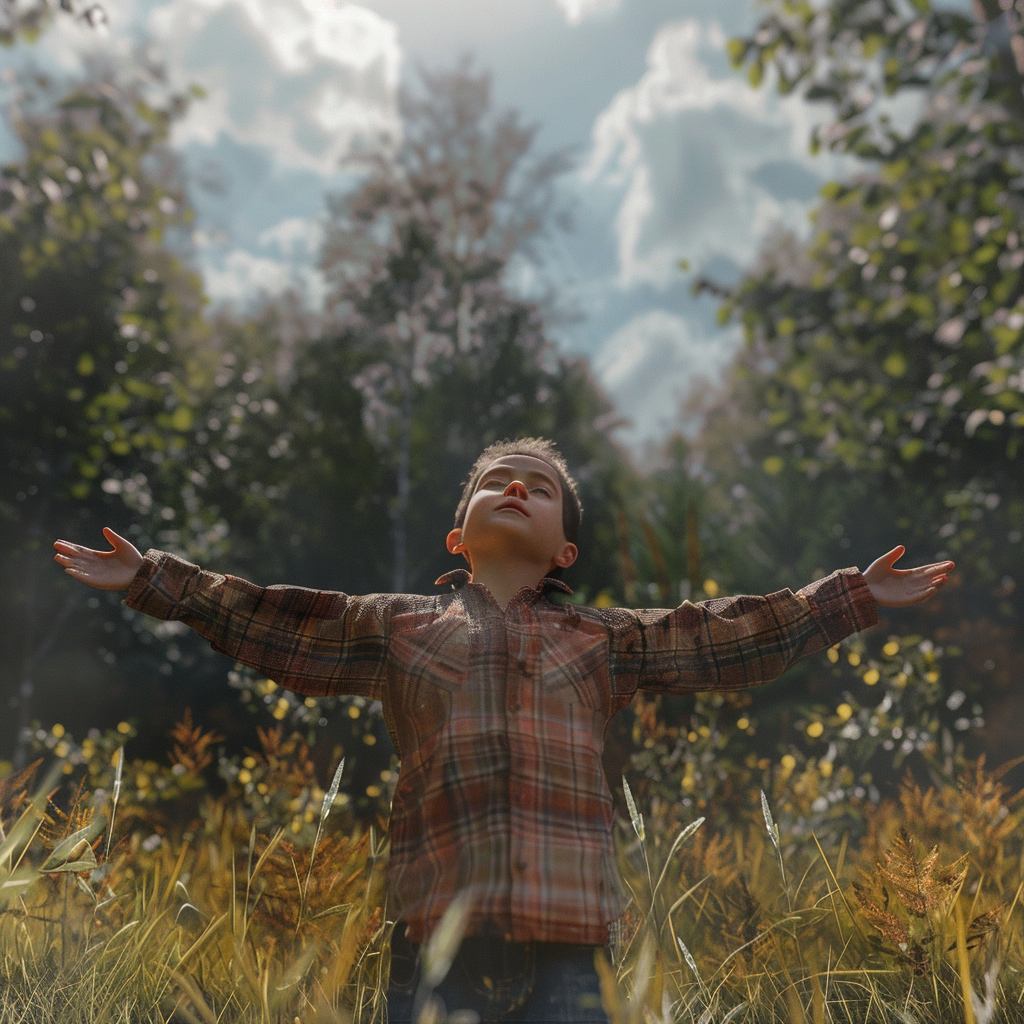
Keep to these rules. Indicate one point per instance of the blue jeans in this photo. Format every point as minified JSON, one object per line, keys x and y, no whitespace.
{"x":506,"y":982}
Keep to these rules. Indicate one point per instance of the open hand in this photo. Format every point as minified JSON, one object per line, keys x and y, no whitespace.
{"x":896,"y":588}
{"x":104,"y":570}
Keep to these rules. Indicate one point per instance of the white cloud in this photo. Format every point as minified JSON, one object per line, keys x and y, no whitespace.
{"x":294,"y":236}
{"x":576,"y":11}
{"x":648,"y":365}
{"x":692,"y":153}
{"x":306,"y":79}
{"x":240,"y":276}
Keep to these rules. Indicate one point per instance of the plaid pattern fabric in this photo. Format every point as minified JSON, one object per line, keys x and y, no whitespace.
{"x":499,"y":718}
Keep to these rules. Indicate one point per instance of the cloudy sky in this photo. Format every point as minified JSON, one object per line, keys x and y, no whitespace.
{"x":676,"y":157}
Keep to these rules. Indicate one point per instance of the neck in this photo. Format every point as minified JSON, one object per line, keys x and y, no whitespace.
{"x":505,"y":581}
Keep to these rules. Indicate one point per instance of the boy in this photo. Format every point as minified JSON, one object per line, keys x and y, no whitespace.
{"x":497,"y":700}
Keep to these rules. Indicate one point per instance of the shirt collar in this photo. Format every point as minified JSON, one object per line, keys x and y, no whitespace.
{"x":460,"y":577}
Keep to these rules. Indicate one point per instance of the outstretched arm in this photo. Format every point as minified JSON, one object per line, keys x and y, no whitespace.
{"x":104,"y":570}
{"x":313,"y":641}
{"x":897,"y":588}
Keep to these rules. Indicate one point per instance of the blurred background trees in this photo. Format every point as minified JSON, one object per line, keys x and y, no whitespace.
{"x":880,"y":388}
{"x":878,"y":399}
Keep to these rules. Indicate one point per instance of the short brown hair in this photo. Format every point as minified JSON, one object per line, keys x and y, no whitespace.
{"x":538,"y":448}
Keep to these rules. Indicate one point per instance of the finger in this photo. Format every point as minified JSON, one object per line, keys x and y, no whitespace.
{"x":891,"y":557}
{"x":115,"y":540}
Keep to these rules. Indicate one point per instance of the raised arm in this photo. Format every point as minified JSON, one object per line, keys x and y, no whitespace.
{"x":313,"y":641}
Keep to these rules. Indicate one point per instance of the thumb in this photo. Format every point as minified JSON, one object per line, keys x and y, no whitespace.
{"x":892,"y":557}
{"x":116,"y":541}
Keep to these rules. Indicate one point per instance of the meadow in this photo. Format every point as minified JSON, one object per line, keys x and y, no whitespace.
{"x":131,"y":890}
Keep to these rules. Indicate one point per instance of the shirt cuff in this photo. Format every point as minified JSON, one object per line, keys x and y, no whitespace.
{"x":161,"y":584}
{"x":842,"y":603}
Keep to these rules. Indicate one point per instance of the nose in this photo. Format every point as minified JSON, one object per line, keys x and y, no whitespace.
{"x":517,"y":489}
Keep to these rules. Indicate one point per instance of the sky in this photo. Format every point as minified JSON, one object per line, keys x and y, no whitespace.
{"x":675,"y":157}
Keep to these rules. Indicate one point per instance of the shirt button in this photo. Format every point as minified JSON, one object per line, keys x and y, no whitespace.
{"x":523,"y":666}
{"x":521,"y":864}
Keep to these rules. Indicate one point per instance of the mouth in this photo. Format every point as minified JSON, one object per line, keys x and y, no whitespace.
{"x":511,"y":503}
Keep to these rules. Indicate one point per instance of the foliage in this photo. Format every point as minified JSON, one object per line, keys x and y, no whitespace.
{"x":893,"y":346}
{"x":27,"y":21}
{"x":101,"y":319}
{"x":877,"y":397}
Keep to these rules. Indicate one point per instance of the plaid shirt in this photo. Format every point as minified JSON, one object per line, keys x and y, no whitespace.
{"x":499,"y":717}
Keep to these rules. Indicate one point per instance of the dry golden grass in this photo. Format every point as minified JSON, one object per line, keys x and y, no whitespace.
{"x":234,"y":919}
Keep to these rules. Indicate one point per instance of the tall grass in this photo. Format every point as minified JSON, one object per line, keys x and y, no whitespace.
{"x":232,"y":917}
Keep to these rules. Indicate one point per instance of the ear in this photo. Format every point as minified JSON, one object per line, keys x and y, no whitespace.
{"x":566,"y":556}
{"x":453,"y":542}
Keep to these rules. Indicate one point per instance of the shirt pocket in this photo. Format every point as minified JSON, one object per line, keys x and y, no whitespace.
{"x":575,"y":664}
{"x":428,"y":665}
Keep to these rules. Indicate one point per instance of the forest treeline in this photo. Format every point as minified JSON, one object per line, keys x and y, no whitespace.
{"x":878,"y":398}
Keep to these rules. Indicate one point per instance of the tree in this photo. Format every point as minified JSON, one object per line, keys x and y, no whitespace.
{"x":417,"y":258}
{"x":899,"y":352}
{"x":880,"y":382}
{"x":98,"y":316}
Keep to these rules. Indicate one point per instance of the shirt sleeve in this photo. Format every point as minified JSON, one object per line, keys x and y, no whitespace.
{"x":316,"y":642}
{"x":735,"y":642}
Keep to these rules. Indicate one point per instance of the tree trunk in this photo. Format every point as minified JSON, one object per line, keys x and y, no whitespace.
{"x":401,"y":512}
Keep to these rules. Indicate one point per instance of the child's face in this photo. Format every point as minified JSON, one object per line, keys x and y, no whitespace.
{"x":515,"y":511}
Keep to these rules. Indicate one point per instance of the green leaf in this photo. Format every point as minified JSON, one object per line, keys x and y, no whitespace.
{"x":895,"y":364}
{"x":872,"y":44}
{"x":773,"y":465}
{"x":181,"y":418}
{"x":986,"y":254}
{"x":86,"y":364}
{"x":737,"y":51}
{"x":911,"y":448}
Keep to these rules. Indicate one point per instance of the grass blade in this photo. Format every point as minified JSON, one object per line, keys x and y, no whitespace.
{"x":635,"y":816}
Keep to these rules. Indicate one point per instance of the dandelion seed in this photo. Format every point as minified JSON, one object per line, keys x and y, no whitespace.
{"x":635,"y":816}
